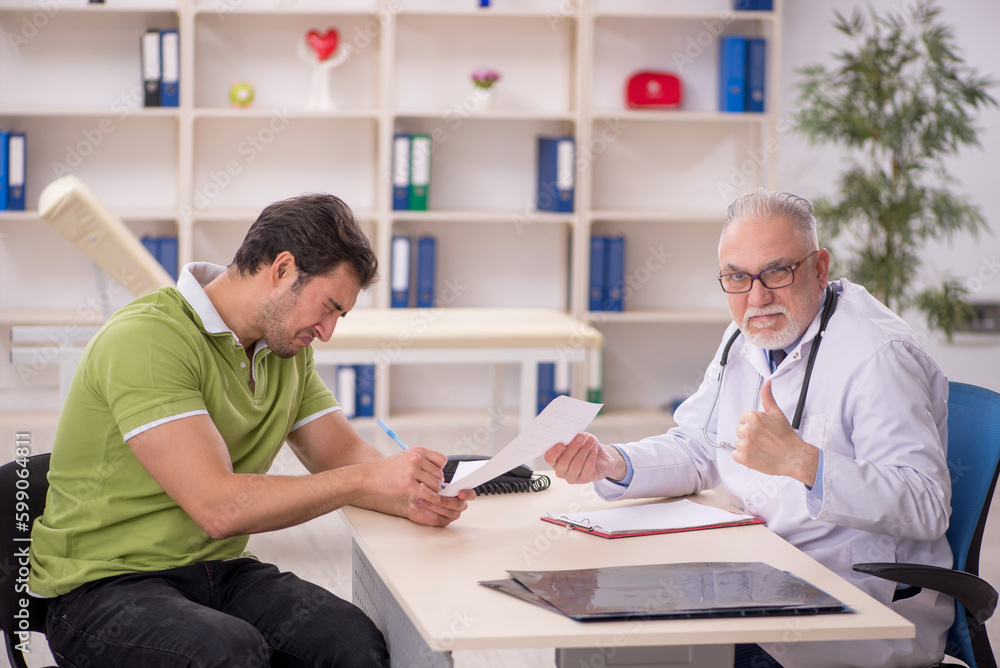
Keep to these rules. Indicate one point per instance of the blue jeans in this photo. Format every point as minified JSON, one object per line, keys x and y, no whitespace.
{"x":233,"y":613}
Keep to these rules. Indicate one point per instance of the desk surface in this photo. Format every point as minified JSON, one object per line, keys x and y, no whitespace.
{"x":433,"y":574}
{"x":462,"y":328}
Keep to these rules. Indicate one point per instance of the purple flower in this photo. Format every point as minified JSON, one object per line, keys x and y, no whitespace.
{"x":484,"y":77}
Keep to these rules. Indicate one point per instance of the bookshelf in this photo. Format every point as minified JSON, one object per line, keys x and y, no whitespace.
{"x":203,"y":171}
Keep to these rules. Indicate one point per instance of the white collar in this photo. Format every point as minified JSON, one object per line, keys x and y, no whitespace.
{"x":191,"y":284}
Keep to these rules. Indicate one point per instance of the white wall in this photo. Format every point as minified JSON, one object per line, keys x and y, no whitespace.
{"x":811,"y":171}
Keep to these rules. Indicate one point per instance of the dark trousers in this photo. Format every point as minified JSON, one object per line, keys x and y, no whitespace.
{"x":233,"y":613}
{"x":752,"y":656}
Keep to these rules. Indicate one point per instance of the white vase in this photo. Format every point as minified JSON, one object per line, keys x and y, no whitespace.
{"x":483,"y":99}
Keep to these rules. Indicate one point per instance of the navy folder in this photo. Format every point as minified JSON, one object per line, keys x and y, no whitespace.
{"x":168,"y":255}
{"x":614,"y":272}
{"x":556,"y":175}
{"x":732,"y":73}
{"x":546,"y":384}
{"x":597,"y":292}
{"x":426,"y":261}
{"x":17,"y":157}
{"x":170,"y":68}
{"x":756,"y":73}
{"x":364,"y":390}
{"x":400,"y":272}
{"x":401,"y":172}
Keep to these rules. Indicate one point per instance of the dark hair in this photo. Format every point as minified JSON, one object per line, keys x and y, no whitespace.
{"x":319,"y":230}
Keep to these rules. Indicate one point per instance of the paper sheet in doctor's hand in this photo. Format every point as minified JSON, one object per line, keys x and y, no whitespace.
{"x":562,"y":419}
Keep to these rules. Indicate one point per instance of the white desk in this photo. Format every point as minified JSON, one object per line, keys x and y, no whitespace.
{"x":420,"y":585}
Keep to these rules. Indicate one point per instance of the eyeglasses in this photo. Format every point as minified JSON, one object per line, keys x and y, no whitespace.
{"x":772,"y":279}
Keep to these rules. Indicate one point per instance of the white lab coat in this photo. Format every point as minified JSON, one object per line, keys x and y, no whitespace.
{"x":876,"y":405}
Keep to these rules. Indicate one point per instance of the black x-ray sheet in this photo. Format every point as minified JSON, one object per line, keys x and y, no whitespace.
{"x":688,"y":590}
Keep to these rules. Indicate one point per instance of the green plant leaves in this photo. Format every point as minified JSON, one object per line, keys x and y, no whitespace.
{"x":900,"y":102}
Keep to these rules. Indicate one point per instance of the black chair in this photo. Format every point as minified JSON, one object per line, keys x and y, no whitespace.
{"x":973,"y":461}
{"x":23,"y":486}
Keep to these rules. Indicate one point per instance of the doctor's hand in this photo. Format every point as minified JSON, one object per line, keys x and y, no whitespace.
{"x":766,"y":442}
{"x":584,"y":460}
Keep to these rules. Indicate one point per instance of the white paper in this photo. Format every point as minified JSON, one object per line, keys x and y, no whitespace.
{"x":465,"y":468}
{"x":562,"y":419}
{"x":682,"y":514}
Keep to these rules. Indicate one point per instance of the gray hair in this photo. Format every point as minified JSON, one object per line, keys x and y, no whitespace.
{"x":763,"y":204}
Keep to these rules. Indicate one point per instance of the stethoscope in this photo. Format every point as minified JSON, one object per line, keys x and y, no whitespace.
{"x":828,"y":308}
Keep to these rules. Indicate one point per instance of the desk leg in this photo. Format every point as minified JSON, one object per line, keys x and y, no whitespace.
{"x":702,"y":656}
{"x":407,"y":648}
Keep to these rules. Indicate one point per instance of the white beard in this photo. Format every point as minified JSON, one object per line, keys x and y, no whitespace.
{"x":770,"y":337}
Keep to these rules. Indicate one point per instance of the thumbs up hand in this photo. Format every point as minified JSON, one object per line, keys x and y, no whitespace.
{"x":766,"y":442}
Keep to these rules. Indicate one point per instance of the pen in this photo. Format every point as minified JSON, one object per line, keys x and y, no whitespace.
{"x":391,"y":433}
{"x":393,"y":436}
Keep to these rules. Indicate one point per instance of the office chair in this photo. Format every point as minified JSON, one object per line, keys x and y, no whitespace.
{"x":23,"y":486}
{"x":973,"y":459}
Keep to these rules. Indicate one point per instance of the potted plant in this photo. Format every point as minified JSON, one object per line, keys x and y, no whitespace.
{"x":900,"y":103}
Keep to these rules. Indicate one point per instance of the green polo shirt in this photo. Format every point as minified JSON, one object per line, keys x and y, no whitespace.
{"x":166,"y":356}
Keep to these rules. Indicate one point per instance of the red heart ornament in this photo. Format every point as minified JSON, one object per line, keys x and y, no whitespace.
{"x":323,"y":45}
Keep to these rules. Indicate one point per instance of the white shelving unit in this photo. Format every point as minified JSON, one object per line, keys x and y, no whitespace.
{"x":204,"y":171}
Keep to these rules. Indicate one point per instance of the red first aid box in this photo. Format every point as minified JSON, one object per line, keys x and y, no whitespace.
{"x":653,"y":89}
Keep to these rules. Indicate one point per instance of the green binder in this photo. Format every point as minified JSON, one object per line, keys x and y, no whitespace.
{"x":420,"y":171}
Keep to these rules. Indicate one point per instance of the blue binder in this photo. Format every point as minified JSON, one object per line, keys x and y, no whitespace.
{"x":753,"y":5}
{"x":614,"y":270}
{"x":364,"y":384}
{"x":597,"y":251}
{"x":426,"y":261}
{"x":756,"y":73}
{"x":732,"y":73}
{"x":17,"y":156}
{"x":168,"y":255}
{"x":170,"y":68}
{"x":401,"y":172}
{"x":152,"y":244}
{"x":546,"y":384}
{"x":556,"y":174}
{"x":4,"y":160}
{"x":400,"y":272}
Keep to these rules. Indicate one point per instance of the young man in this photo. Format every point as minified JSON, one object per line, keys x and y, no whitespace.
{"x":863,"y":478}
{"x":158,"y":472}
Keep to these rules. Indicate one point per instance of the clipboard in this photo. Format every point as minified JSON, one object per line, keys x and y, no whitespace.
{"x":650,"y":519}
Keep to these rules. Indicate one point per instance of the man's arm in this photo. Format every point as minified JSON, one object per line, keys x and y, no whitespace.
{"x":330,"y":442}
{"x":190,"y":461}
